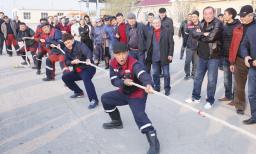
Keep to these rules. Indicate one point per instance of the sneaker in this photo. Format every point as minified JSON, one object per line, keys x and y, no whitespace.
{"x":208,"y":106}
{"x":93,"y":104}
{"x":77,"y":95}
{"x":192,"y":100}
{"x":224,"y":99}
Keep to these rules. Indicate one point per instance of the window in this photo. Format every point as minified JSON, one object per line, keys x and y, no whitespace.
{"x":26,"y":16}
{"x":60,"y":14}
{"x":44,"y":15}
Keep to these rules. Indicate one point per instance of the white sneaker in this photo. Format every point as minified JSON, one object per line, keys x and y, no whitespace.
{"x":192,"y":100}
{"x":207,"y":106}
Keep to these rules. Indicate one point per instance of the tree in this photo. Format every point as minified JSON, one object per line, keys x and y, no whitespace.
{"x":114,"y":6}
{"x":182,"y":8}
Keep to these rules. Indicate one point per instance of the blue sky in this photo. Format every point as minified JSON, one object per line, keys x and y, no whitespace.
{"x":8,"y":5}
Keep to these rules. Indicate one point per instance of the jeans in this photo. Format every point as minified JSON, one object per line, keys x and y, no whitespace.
{"x":252,"y":91}
{"x":86,"y":75}
{"x":139,"y":55}
{"x":156,"y":69}
{"x":191,"y":56}
{"x":211,"y":67}
{"x":227,"y":78}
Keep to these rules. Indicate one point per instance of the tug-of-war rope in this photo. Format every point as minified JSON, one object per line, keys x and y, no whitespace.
{"x":199,"y":112}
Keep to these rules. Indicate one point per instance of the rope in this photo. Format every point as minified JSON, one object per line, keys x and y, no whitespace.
{"x":199,"y":112}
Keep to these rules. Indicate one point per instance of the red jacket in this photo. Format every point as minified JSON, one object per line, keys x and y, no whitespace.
{"x":122,"y":33}
{"x":66,"y":28}
{"x":126,"y":71}
{"x":235,"y":43}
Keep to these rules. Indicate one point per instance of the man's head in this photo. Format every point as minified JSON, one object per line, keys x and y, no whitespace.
{"x":246,"y":14}
{"x":119,"y":18}
{"x":87,"y":18}
{"x":220,"y":17}
{"x":229,"y":15}
{"x":162,"y":13}
{"x":189,"y":17}
{"x":208,"y":14}
{"x":46,"y":28}
{"x":195,"y":17}
{"x":6,"y":19}
{"x":156,"y":23}
{"x":113,"y":21}
{"x":22,"y":26}
{"x":150,"y":17}
{"x":63,"y":20}
{"x":1,"y":15}
{"x":82,"y":22}
{"x":120,"y":52}
{"x":73,"y":21}
{"x":99,"y":22}
{"x":68,"y":40}
{"x":131,"y":18}
{"x":50,"y":19}
{"x":107,"y":20}
{"x":43,"y":21}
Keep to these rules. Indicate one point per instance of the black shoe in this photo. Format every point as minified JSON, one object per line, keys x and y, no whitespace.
{"x":240,"y":112}
{"x":34,"y":67}
{"x":157,"y":89}
{"x":154,"y":145}
{"x":192,"y":77}
{"x":24,"y":63}
{"x":187,"y":77}
{"x":9,"y":53}
{"x":38,"y":72}
{"x":107,"y":67}
{"x":167,"y":93}
{"x":249,"y":121}
{"x":47,"y":79}
{"x":77,"y":95}
{"x":116,"y":122}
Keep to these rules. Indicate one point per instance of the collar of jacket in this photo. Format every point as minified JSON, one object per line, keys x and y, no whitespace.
{"x":135,"y":26}
{"x":233,"y":23}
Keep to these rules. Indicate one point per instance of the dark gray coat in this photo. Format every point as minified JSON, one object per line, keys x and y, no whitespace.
{"x":166,"y":46}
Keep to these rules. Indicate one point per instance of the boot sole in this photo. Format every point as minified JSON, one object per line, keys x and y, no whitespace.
{"x":118,"y":127}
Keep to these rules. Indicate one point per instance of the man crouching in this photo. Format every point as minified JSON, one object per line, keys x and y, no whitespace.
{"x":124,"y":70}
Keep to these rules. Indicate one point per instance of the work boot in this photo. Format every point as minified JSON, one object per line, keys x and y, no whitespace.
{"x":154,"y":146}
{"x":116,"y":122}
